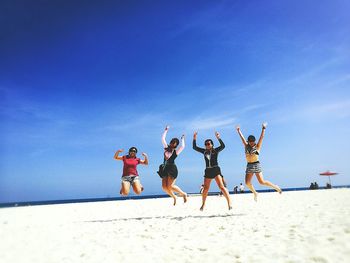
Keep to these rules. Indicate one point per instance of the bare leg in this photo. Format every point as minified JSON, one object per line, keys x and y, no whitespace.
{"x":167,"y":188}
{"x":248,"y":182}
{"x":223,"y":189}
{"x":261,"y":180}
{"x":125,"y":188}
{"x":207,"y":182}
{"x":175,"y":188}
{"x":137,"y":187}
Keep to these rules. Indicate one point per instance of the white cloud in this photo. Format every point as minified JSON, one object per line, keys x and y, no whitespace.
{"x":210,"y":123}
{"x":334,"y":109}
{"x":140,"y":121}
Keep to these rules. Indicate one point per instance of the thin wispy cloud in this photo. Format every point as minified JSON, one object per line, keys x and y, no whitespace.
{"x":321,"y":111}
{"x":136,"y":122}
{"x":210,"y":123}
{"x":333,"y":109}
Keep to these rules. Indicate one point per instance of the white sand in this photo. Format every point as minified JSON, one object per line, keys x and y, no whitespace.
{"x":303,"y":226}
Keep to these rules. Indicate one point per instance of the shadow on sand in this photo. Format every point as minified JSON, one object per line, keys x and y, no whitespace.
{"x":178,"y":218}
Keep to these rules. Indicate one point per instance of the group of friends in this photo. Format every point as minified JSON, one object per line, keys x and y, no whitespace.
{"x":168,"y":171}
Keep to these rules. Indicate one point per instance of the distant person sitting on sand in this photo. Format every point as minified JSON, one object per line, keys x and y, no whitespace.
{"x":241,"y":188}
{"x":130,"y":175}
{"x":252,"y":151}
{"x":235,"y":190}
{"x":312,"y":186}
{"x":212,"y":170}
{"x":316,"y":185}
{"x":168,"y":170}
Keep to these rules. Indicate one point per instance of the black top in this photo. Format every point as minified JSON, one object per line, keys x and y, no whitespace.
{"x":210,"y":156}
{"x":171,"y":159}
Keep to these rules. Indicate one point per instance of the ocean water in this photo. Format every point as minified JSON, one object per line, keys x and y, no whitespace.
{"x":134,"y":197}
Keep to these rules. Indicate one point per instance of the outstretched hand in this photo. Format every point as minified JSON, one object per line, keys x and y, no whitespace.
{"x":195,"y":135}
{"x":144,"y":154}
{"x":167,"y":127}
{"x":182,"y":136}
{"x":264,"y":125}
{"x":217,"y":135}
{"x":238,"y":127}
{"x":120,"y":150}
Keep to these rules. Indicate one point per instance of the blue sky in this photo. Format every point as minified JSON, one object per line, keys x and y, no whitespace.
{"x":81,"y":79}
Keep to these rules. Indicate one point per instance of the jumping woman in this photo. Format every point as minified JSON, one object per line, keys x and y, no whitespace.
{"x":212,"y":170}
{"x":168,"y":170}
{"x":130,"y":175}
{"x":252,"y":151}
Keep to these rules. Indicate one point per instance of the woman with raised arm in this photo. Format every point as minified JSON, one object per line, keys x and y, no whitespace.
{"x":212,"y":170}
{"x":168,"y":170}
{"x":130,"y":175}
{"x":252,"y":151}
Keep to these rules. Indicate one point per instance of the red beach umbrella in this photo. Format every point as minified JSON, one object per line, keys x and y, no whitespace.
{"x":329,"y":174}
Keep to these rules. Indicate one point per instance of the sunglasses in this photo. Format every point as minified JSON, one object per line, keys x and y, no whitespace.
{"x":132,"y":151}
{"x":208,"y":143}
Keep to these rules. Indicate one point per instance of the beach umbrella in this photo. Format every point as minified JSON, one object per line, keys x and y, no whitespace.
{"x":329,"y":174}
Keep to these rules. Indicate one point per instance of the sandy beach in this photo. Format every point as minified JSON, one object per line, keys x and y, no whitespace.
{"x":302,"y":226}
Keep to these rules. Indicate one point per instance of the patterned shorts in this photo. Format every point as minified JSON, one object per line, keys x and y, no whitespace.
{"x":253,"y":168}
{"x":130,"y":178}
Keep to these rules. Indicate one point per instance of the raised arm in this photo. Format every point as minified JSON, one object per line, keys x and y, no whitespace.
{"x":261,"y":135}
{"x":194,"y":144}
{"x":180,"y":149}
{"x":165,"y":145}
{"x":116,"y":155}
{"x":222,"y":145}
{"x":144,"y":161}
{"x":241,"y":135}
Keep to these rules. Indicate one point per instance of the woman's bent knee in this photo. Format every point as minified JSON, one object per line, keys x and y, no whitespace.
{"x":205,"y":190}
{"x":165,"y":188}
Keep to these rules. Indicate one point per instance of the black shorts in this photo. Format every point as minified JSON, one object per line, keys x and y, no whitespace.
{"x":169,"y":170}
{"x":212,"y":172}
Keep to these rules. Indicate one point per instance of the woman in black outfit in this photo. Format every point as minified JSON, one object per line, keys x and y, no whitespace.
{"x":168,"y":171}
{"x":212,"y":170}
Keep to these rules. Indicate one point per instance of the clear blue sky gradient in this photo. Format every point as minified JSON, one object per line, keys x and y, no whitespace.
{"x":81,"y":79}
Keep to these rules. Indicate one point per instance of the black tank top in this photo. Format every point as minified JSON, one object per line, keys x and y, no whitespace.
{"x":171,"y":159}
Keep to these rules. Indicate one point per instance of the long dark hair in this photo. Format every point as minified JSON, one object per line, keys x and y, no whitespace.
{"x":176,"y":140}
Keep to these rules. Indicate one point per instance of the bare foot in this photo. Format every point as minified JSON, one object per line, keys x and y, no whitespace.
{"x":185,"y":197}
{"x":256,"y":197}
{"x":229,"y":207}
{"x":174,"y":200}
{"x":279,"y":190}
{"x":202,"y":207}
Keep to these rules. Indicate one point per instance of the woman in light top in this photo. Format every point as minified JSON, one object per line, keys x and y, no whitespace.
{"x":130,"y":175}
{"x":168,"y":171}
{"x":212,"y":170}
{"x":252,"y":151}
